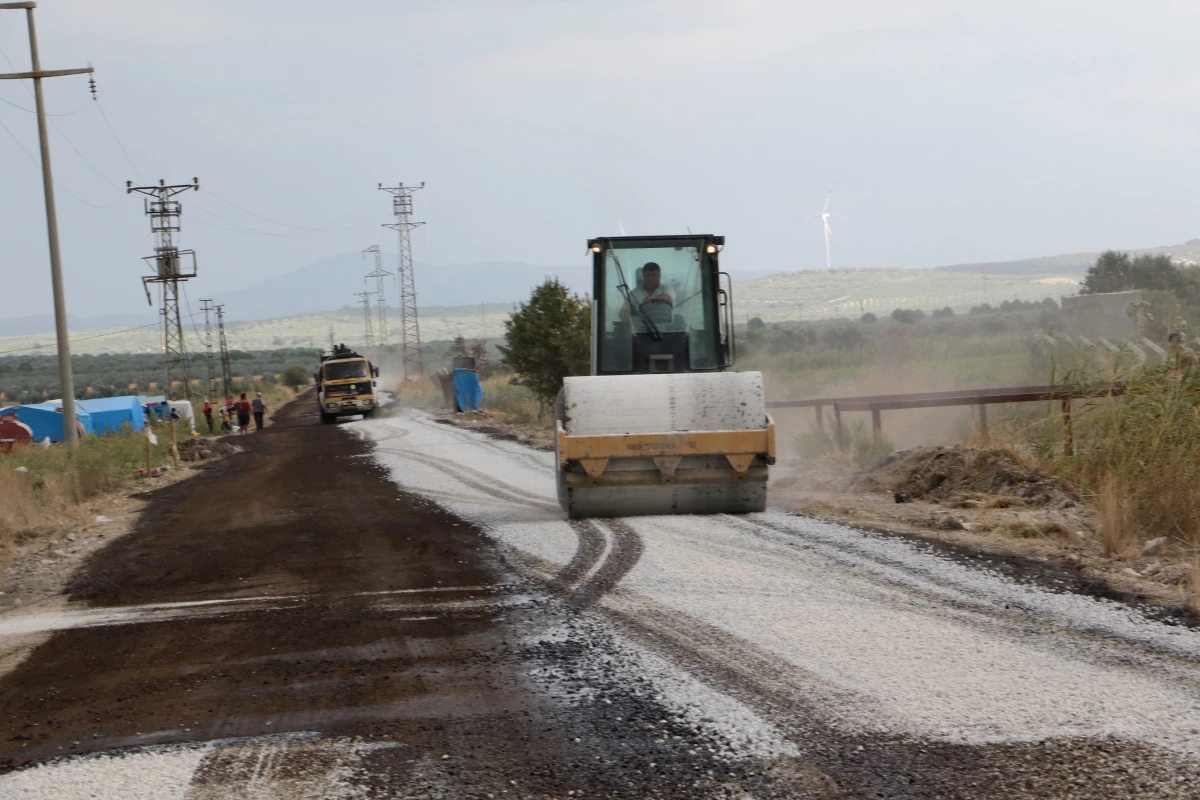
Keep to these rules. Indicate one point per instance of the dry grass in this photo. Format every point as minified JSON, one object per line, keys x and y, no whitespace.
{"x":1138,"y":456}
{"x":55,"y":482}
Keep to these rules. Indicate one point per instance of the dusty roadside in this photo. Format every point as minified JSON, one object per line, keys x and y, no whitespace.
{"x":497,"y":425}
{"x":989,"y":503}
{"x":1050,"y":535}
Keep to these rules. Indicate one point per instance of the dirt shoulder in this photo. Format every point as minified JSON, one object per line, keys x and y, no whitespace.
{"x":1028,"y":524}
{"x":497,"y":425}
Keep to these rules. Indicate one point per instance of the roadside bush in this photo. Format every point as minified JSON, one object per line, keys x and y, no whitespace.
{"x":548,"y":339}
{"x":1137,"y":454}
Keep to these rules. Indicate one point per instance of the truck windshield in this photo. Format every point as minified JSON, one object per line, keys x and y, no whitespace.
{"x":655,"y":291}
{"x":342,"y":370}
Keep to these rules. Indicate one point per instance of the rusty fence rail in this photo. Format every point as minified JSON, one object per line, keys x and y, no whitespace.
{"x":981,"y":398}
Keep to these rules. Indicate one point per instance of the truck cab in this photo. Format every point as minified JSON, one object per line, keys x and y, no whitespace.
{"x":345,"y":385}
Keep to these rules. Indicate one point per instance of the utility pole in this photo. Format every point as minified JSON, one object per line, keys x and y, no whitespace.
{"x":410,"y":326}
{"x":207,"y":305}
{"x":381,"y":305}
{"x":368,"y":329}
{"x":226,"y":372}
{"x":66,"y":379}
{"x":171,"y":267}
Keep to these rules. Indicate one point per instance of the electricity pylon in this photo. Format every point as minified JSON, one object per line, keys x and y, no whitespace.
{"x":368,"y":328}
{"x":380,"y":304}
{"x":226,"y":371}
{"x":207,"y":305}
{"x":172,"y":266}
{"x":410,"y":325}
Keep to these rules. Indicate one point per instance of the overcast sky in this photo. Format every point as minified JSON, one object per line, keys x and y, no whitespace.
{"x":954,"y":132}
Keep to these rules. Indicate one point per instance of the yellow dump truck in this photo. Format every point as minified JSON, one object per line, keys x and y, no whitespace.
{"x":345,"y":385}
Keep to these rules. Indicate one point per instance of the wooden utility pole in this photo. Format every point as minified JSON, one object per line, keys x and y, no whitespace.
{"x":65,"y":378}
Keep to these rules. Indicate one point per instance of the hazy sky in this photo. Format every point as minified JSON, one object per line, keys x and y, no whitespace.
{"x":954,"y":131}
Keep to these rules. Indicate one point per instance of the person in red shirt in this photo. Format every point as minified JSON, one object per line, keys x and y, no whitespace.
{"x":208,"y":415}
{"x":243,"y":412}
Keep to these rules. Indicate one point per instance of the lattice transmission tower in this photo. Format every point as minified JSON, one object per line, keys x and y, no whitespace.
{"x":226,"y":370}
{"x":368,"y":328}
{"x":172,"y":266}
{"x":379,"y":274}
{"x":410,"y":325}
{"x":208,"y":307}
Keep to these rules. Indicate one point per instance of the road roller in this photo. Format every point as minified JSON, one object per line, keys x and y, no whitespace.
{"x":661,"y":425}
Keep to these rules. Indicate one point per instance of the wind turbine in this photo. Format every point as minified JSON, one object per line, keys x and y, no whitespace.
{"x":824,"y":215}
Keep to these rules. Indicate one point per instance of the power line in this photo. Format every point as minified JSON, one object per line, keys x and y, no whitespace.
{"x":48,"y":114}
{"x":116,"y":138}
{"x":288,"y":224}
{"x":83,"y":338}
{"x":37,"y":165}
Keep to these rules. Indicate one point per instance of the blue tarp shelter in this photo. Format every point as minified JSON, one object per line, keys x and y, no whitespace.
{"x":468,"y":392}
{"x":44,"y":421}
{"x":110,"y":414}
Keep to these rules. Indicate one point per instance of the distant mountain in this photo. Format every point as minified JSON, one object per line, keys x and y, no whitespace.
{"x":331,"y":283}
{"x":1071,"y":263}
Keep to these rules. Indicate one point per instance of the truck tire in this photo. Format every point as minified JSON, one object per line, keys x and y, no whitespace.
{"x":326,"y":418}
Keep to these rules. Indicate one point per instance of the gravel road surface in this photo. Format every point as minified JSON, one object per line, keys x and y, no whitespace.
{"x":397,"y":608}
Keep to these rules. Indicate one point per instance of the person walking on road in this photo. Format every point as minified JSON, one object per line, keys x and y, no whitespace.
{"x":259,"y":408}
{"x":208,"y":415}
{"x":243,"y":413}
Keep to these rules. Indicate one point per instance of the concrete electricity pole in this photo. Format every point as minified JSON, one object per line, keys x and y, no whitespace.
{"x":172,"y":266}
{"x":410,"y":326}
{"x":65,"y":379}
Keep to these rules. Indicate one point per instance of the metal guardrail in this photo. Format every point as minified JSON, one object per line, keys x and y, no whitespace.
{"x":982,"y":398}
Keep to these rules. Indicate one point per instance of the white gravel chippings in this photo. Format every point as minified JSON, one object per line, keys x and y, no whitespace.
{"x":835,"y":637}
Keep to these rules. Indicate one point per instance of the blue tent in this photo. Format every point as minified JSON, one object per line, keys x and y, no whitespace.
{"x":110,"y":414}
{"x":45,"y":421}
{"x":468,"y":393}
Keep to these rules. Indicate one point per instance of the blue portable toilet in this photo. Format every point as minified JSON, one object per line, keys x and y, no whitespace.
{"x":468,"y":392}
{"x":111,"y":414}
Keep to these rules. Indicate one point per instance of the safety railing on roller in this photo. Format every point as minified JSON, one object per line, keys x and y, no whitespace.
{"x":980,"y":398}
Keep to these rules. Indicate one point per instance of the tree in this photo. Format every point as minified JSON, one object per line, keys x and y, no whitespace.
{"x":869,"y":318}
{"x":755,"y":323}
{"x":908,"y":316}
{"x":295,"y":376}
{"x":845,"y":337}
{"x":25,"y":368}
{"x":548,"y":339}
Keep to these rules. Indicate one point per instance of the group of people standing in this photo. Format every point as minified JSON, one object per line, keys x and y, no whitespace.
{"x":240,"y":409}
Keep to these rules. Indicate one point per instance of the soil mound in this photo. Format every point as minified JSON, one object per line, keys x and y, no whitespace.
{"x":202,"y":449}
{"x":940,"y":473}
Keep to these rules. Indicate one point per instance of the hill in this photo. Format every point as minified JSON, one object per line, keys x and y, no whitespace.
{"x":1071,"y":263}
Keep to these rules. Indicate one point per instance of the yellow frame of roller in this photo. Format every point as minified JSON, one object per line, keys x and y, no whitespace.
{"x":593,"y":453}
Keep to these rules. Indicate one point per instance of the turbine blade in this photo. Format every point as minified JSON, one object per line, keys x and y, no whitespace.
{"x":828,"y":197}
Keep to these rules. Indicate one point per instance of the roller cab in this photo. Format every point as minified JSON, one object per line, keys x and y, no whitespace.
{"x":660,"y":427}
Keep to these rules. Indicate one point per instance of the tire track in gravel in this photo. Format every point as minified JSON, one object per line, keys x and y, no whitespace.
{"x":479,"y":481}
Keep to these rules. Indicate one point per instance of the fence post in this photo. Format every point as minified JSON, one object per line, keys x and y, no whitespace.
{"x":876,"y":422}
{"x":841,"y":436}
{"x":983,"y":420}
{"x":820,"y":417}
{"x":1069,"y":447}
